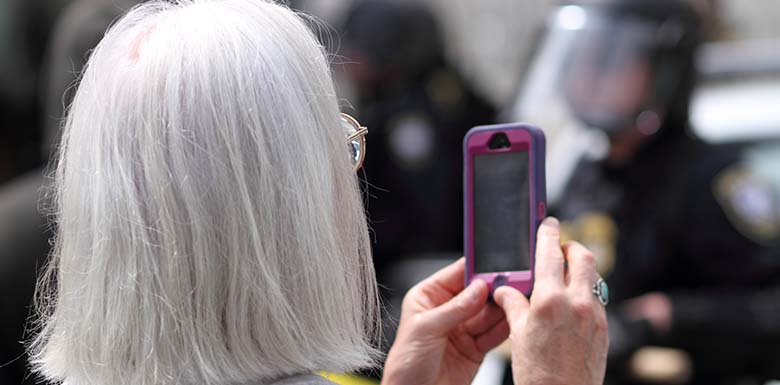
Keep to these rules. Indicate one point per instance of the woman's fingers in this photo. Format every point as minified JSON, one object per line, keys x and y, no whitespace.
{"x":493,"y":337}
{"x":563,"y":322}
{"x":449,"y":278}
{"x":582,"y":266}
{"x":549,"y":256}
{"x":467,"y":304}
{"x":513,"y":302}
{"x":488,"y":317}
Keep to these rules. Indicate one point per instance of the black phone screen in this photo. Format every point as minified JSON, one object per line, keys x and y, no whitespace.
{"x":501,"y":212}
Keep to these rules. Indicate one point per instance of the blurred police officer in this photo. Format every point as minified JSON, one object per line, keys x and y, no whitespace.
{"x":686,"y":234}
{"x":417,"y":108}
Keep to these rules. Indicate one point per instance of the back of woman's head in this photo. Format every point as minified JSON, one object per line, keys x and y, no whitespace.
{"x":209,"y":223}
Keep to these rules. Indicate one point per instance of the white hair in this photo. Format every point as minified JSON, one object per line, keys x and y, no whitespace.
{"x":210,"y":226}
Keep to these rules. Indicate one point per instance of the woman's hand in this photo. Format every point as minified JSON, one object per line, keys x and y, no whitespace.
{"x":445,"y":331}
{"x":561,"y":336}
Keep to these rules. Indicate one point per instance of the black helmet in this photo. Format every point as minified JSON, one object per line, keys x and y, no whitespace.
{"x":391,"y":41}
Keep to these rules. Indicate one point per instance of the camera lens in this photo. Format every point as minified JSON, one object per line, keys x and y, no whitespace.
{"x":499,"y":140}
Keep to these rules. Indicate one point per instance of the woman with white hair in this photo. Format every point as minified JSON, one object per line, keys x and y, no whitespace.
{"x":210,"y":228}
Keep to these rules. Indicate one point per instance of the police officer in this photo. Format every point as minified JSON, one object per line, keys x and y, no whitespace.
{"x":687,"y":235}
{"x":417,"y":108}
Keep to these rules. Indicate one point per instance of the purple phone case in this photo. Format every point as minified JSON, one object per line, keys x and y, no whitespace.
{"x":523,"y":137}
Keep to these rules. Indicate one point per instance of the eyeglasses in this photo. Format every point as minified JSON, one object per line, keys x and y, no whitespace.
{"x":356,"y":139}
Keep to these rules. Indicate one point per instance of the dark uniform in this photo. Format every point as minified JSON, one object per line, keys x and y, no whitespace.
{"x":417,"y":109}
{"x":664,"y":212}
{"x":672,"y":225}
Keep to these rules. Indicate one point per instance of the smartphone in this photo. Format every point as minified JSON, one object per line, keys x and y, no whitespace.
{"x":504,"y":203}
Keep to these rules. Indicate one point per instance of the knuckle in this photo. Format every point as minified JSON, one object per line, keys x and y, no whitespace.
{"x":550,"y":304}
{"x":578,"y":251}
{"x":459,"y":305}
{"x":548,"y":232}
{"x":417,"y":321}
{"x":588,"y":257}
{"x":410,"y":295}
{"x":554,"y":255}
{"x":582,"y":308}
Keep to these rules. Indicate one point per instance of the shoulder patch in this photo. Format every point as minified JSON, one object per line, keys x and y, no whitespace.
{"x":751,"y":204}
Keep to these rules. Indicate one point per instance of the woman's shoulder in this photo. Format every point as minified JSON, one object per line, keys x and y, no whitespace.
{"x":303,"y":379}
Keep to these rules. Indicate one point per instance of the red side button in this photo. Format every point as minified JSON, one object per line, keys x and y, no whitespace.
{"x":541,"y":210}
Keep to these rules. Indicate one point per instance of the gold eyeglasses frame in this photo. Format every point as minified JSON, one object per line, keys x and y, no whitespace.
{"x":359,"y":135}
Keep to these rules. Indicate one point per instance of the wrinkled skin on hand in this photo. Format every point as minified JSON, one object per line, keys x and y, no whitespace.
{"x":445,"y":331}
{"x":560,"y":336}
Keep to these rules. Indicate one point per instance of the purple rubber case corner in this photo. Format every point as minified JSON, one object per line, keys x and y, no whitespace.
{"x":523,"y":137}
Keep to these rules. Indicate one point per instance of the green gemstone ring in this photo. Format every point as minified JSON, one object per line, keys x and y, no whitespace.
{"x":601,"y":291}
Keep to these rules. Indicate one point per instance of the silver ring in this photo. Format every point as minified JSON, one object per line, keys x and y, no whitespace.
{"x":601,"y":291}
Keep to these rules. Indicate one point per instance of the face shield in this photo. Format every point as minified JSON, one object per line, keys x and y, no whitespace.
{"x":607,"y":74}
{"x":609,"y":71}
{"x":596,"y":74}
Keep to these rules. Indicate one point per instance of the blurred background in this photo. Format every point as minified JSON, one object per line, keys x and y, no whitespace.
{"x":663,"y":143}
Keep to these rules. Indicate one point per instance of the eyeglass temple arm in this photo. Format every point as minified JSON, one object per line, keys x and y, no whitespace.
{"x":362,"y":131}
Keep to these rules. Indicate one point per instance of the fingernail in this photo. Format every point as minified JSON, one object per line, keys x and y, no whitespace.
{"x":473,"y":290}
{"x":498,"y":296}
{"x":497,"y":292}
{"x":552,"y":222}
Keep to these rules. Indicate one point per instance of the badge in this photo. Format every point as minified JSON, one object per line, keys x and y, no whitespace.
{"x":598,"y":232}
{"x":751,"y":204}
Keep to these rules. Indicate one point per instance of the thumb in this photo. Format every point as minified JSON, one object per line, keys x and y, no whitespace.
{"x":466,"y":304}
{"x":513,"y":302}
